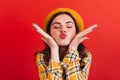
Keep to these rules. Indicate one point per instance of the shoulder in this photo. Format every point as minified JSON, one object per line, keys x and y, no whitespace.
{"x":40,"y":54}
{"x":89,"y":54}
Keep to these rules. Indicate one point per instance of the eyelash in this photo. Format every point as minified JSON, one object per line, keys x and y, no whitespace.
{"x":56,"y":27}
{"x":69,"y":26}
{"x":59,"y":27}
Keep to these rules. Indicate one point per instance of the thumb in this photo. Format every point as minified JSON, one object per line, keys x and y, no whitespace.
{"x":82,"y":39}
{"x":43,"y":39}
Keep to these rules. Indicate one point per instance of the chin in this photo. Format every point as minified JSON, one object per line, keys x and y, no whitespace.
{"x":65,"y":44}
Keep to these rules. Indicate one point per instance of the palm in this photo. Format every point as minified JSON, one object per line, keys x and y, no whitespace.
{"x":46,"y":37}
{"x":80,"y":37}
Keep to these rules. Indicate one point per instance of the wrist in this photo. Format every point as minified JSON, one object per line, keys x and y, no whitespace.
{"x":54,"y":48}
{"x":72,"y":48}
{"x":55,"y":53}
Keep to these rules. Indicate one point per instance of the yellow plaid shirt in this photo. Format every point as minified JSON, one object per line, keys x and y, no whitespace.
{"x":70,"y":64}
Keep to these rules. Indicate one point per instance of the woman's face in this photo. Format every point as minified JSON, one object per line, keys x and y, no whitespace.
{"x":63,"y":29}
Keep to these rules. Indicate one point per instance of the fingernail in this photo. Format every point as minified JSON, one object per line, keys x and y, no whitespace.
{"x":33,"y":24}
{"x":96,"y":25}
{"x":87,"y":38}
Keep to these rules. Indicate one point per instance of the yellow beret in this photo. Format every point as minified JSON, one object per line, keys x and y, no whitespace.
{"x":74,"y":14}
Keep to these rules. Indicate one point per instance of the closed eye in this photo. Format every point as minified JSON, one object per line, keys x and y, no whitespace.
{"x":69,"y":26}
{"x":56,"y":27}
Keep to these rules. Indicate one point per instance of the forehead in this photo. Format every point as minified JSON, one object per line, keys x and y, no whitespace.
{"x":63,"y":17}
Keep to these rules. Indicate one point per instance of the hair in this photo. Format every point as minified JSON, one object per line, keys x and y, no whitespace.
{"x":55,"y":15}
{"x":81,"y":48}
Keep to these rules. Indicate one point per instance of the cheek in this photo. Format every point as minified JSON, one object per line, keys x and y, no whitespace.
{"x":72,"y":36}
{"x":72,"y":33}
{"x":54,"y":33}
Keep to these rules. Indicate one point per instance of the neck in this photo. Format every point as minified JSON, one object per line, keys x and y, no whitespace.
{"x":62,"y":51}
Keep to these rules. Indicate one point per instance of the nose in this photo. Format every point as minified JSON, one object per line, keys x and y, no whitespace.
{"x":63,"y":29}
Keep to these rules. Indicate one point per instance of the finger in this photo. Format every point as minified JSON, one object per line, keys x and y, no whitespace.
{"x":83,"y":39}
{"x":86,"y":31}
{"x":39,"y":30}
{"x":91,"y":27}
{"x":83,"y":33}
{"x":35,"y":26}
{"x":43,"y":39}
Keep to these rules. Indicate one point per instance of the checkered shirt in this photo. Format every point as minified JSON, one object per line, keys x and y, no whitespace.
{"x":70,"y":63}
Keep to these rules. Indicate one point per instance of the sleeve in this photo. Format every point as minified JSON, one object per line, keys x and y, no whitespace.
{"x":85,"y":71}
{"x":72,"y":68}
{"x":52,"y":71}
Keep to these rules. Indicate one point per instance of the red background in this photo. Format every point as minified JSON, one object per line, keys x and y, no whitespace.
{"x":19,"y":41}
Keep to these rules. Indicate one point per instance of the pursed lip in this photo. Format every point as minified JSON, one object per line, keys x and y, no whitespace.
{"x":63,"y":35}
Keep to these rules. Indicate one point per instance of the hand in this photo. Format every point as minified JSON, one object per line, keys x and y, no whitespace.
{"x":80,"y":37}
{"x":46,"y":37}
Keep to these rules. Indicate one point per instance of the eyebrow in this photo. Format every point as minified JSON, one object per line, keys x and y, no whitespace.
{"x":60,"y":23}
{"x":55,"y":23}
{"x":69,"y":22}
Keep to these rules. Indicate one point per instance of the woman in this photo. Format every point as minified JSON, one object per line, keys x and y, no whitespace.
{"x":65,"y":57}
